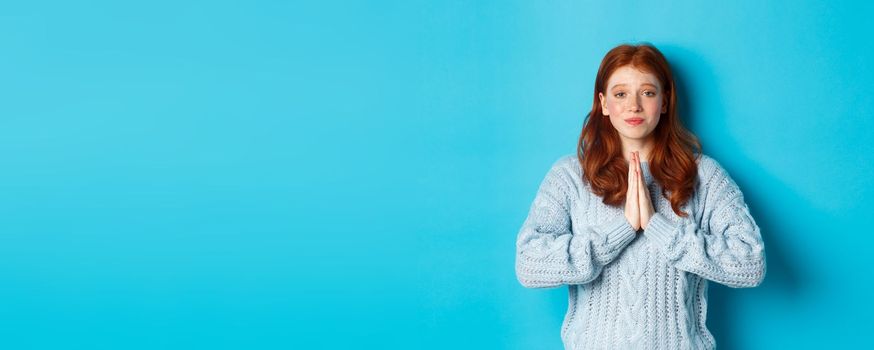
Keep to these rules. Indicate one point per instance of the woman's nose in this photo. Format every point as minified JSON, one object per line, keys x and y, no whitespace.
{"x":633,"y":104}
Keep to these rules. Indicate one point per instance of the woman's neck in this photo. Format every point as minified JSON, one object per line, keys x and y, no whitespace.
{"x":643,"y":147}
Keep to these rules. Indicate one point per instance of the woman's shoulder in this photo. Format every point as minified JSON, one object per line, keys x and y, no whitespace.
{"x":710,"y":171}
{"x":706,"y":164}
{"x":568,"y":159}
{"x":568,"y":164}
{"x":566,"y":168}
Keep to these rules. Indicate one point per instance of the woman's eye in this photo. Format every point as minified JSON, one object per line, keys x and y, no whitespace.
{"x":649,"y":93}
{"x":620,"y":94}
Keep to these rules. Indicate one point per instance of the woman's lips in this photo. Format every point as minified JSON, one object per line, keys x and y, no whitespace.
{"x":634,"y":121}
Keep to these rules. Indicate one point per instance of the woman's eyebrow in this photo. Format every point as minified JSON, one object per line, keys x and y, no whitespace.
{"x":623,"y":84}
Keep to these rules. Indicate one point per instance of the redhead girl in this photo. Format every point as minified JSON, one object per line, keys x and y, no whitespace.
{"x":639,"y":221}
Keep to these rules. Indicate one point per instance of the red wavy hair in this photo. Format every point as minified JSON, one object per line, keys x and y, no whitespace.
{"x":673,"y":159}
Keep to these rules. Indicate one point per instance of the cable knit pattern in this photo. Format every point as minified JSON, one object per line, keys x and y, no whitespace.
{"x":638,"y":291}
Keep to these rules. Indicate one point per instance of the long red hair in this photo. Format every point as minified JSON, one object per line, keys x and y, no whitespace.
{"x":672,"y":162}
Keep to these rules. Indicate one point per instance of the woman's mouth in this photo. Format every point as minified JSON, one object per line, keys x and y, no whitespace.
{"x":634,"y":121}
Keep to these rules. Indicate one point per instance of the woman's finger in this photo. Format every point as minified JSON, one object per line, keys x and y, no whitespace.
{"x":637,"y":166}
{"x":646,"y":209}
{"x":632,"y":207}
{"x":643,"y":195}
{"x":643,"y":185}
{"x":634,"y":183}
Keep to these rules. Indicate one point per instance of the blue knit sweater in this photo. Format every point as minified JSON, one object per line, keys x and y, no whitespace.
{"x":631,"y":290}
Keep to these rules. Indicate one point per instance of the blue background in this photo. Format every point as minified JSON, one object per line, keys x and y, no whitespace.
{"x":272,"y":175}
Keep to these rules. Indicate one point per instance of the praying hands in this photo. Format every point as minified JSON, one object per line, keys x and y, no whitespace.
{"x":638,"y":206}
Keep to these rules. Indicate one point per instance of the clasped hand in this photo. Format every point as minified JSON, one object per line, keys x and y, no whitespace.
{"x":638,"y":206}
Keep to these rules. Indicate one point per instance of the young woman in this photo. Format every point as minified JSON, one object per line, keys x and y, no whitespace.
{"x":639,"y":220}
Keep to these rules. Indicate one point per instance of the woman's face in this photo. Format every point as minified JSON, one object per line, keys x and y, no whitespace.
{"x":634,"y":101}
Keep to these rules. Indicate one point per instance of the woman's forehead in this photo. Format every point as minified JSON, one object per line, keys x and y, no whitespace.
{"x":628,"y":75}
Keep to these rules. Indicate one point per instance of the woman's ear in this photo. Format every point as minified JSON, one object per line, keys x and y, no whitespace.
{"x":603,"y":105}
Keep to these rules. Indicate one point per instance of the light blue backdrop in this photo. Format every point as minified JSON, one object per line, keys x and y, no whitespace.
{"x":271,"y":175}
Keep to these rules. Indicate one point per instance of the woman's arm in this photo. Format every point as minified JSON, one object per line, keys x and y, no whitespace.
{"x":728,"y":249}
{"x":549,"y":253}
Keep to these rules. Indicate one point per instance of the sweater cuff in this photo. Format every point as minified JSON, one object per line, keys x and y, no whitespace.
{"x":661,"y":230}
{"x":617,"y":231}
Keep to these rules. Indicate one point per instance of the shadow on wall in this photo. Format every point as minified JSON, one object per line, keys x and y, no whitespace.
{"x":781,"y":281}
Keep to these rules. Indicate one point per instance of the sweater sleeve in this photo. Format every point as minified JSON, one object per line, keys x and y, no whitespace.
{"x":727,"y":248}
{"x":549,"y":252}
